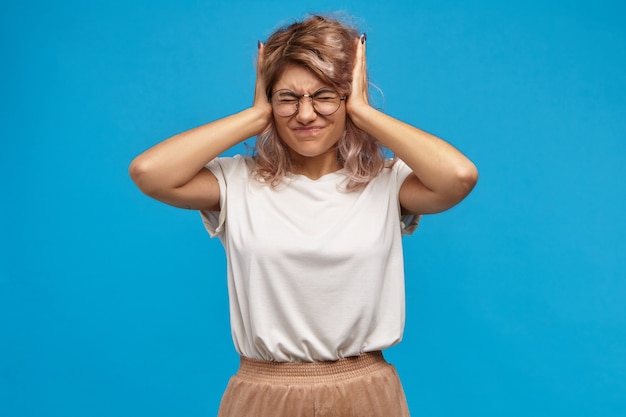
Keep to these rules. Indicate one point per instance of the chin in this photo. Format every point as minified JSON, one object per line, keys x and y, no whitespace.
{"x":313,"y":151}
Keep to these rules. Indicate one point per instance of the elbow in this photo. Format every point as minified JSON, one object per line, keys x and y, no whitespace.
{"x":461,"y":182}
{"x":141,"y":172}
{"x":135,"y":170}
{"x":466,"y":179}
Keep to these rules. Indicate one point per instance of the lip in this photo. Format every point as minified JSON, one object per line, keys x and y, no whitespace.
{"x":307,"y":130}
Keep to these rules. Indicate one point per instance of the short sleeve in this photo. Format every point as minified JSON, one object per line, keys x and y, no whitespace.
{"x":408,"y":222}
{"x":225,"y":169}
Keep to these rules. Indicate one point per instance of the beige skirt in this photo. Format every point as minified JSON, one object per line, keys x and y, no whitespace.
{"x":362,"y":386}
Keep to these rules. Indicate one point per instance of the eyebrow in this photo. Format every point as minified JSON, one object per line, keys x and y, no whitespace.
{"x":286,"y":91}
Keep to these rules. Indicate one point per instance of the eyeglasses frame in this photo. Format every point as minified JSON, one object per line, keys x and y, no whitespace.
{"x":309,"y":96}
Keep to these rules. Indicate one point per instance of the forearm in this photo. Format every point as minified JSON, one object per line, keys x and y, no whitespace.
{"x":437,"y":164}
{"x":175,"y":161}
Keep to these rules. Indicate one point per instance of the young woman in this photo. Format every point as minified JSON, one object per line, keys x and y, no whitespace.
{"x":311,"y":224}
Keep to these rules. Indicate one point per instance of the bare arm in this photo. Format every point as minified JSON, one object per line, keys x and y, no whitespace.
{"x":174,"y":172}
{"x":442,"y":176}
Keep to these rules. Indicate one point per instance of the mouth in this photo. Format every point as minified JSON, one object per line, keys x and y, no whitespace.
{"x":307,"y":130}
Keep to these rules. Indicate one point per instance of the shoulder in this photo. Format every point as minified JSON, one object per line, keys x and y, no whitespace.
{"x":228,"y":166}
{"x":396,"y":168}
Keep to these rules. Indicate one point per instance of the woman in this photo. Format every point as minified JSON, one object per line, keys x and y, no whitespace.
{"x":311,"y":224}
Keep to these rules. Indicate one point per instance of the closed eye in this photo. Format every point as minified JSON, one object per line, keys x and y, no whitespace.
{"x":322,"y":95}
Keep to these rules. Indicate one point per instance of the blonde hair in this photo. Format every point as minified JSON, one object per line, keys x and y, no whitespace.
{"x":327,"y":48}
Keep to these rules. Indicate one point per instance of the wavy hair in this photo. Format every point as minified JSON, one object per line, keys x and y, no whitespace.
{"x":326,"y":47}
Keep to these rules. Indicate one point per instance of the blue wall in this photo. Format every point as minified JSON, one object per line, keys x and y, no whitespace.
{"x":112,"y":304}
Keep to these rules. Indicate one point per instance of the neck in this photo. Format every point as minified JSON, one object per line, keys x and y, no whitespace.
{"x":317,"y":166}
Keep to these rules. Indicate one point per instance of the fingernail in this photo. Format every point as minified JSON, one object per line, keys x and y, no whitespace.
{"x":363,"y":38}
{"x":258,"y":44}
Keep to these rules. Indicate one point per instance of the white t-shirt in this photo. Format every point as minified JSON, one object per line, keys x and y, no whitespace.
{"x":314,"y":272}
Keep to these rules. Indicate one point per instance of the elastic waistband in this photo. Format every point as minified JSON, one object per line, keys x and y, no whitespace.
{"x":311,"y":372}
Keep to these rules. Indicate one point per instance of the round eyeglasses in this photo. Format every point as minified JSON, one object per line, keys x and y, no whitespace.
{"x":325,"y":102}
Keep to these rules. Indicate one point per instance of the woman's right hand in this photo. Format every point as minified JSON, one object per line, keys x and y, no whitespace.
{"x":174,"y":172}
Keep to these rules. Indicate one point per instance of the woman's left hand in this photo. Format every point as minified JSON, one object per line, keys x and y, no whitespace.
{"x":443,"y":176}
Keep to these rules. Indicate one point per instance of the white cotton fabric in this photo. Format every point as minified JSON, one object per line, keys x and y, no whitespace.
{"x":314,"y":273}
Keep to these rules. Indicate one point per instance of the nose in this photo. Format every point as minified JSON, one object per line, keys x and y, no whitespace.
{"x":306,"y":113}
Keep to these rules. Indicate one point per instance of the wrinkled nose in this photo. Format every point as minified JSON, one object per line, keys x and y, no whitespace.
{"x":306,"y":112}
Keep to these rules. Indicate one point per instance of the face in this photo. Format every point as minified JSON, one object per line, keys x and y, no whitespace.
{"x":306,"y":133}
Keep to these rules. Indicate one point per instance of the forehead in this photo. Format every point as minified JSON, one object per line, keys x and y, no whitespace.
{"x":299,"y":80}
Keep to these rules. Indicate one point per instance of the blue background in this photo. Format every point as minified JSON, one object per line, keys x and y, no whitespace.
{"x":112,"y":304}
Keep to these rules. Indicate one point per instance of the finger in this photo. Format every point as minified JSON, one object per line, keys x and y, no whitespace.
{"x":260,"y":86}
{"x":359,"y":75}
{"x":259,"y":60}
{"x":359,"y":49}
{"x":360,"y":54}
{"x":362,"y":44}
{"x":361,"y":65}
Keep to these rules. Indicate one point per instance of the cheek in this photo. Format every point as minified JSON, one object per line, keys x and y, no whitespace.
{"x":340,"y":125}
{"x":280,"y":127}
